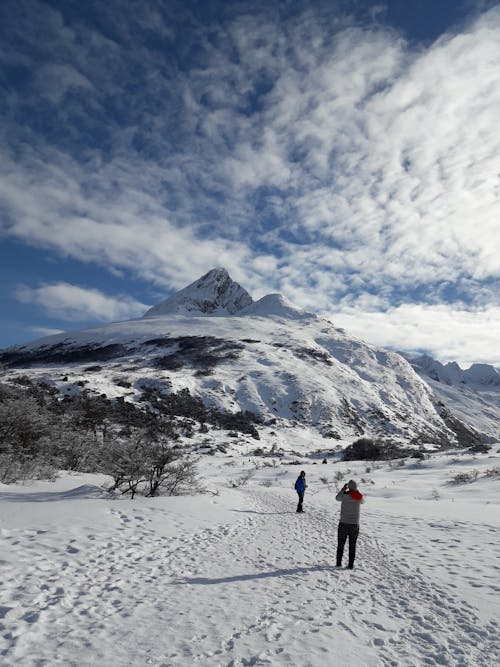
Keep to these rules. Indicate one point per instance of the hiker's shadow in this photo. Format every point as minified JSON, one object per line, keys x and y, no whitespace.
{"x":262,"y":513}
{"x":207,"y":581}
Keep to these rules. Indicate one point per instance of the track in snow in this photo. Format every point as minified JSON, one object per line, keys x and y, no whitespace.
{"x":260,"y":591}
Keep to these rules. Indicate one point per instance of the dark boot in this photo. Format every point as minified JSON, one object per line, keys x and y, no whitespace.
{"x":301,"y":500}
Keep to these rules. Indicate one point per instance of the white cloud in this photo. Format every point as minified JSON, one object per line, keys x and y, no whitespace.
{"x":54,"y":81}
{"x":45,"y":331}
{"x":73,"y":303}
{"x":411,"y":173}
{"x":125,"y":228}
{"x":308,"y":156}
{"x":445,"y":332}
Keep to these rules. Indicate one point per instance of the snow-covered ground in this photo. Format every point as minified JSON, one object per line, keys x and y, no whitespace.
{"x":235,"y":577}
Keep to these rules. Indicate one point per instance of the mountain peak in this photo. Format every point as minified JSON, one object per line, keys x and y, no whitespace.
{"x":215,"y":293}
{"x":452,"y":374}
{"x":275,"y":305}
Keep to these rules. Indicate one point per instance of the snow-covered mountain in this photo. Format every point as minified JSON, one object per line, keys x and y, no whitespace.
{"x":289,"y":367}
{"x":452,"y":374}
{"x":215,"y":293}
{"x":473,"y":394}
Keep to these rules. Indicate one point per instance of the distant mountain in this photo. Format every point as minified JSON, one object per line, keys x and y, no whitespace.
{"x":289,"y":367}
{"x":472,"y":394}
{"x":452,"y":374}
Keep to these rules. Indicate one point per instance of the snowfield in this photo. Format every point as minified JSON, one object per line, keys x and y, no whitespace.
{"x":234,"y":577}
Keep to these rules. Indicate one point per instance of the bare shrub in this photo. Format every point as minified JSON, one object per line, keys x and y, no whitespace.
{"x":465,"y":477}
{"x":16,"y":469}
{"x":243,"y":479}
{"x":148,"y":464}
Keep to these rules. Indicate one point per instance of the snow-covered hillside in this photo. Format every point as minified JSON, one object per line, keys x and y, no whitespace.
{"x":287,"y":366}
{"x":235,"y":577}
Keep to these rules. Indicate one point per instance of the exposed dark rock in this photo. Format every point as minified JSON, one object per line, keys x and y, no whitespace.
{"x":201,"y":352}
{"x":466,"y":435}
{"x":352,"y":417}
{"x":61,"y":353}
{"x":312,"y":353}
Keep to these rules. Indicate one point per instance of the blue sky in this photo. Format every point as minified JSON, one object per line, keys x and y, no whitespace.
{"x":345,"y":154}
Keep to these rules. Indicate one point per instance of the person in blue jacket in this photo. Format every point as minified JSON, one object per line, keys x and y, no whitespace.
{"x":300,"y":487}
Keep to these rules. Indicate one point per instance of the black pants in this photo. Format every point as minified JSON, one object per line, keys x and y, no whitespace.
{"x":301,"y":500}
{"x":351,"y":531}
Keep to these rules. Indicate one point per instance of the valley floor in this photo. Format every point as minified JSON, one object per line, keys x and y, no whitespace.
{"x":239,"y":579}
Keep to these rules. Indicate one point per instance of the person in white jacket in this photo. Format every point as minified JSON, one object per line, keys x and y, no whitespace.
{"x":351,"y":500}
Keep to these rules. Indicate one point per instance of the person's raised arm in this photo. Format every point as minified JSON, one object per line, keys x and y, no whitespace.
{"x":342,"y":491}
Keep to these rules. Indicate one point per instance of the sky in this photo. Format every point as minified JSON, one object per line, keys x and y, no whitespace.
{"x":343,"y":153}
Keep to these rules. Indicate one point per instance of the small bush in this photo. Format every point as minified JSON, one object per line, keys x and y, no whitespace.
{"x":242,"y":479}
{"x":480,"y":448}
{"x":465,"y":477}
{"x":258,"y":451}
{"x":368,"y":449}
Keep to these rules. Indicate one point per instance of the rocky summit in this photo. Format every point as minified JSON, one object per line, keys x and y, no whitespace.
{"x":215,"y":293}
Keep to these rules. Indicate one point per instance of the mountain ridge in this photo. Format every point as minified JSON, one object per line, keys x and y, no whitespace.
{"x":472,"y":394}
{"x":287,"y":366}
{"x":452,"y":374}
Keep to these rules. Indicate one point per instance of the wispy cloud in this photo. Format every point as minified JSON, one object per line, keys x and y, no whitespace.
{"x":44,"y":331}
{"x":308,"y":154}
{"x":448,"y":333}
{"x":55,"y":81}
{"x":73,"y":303}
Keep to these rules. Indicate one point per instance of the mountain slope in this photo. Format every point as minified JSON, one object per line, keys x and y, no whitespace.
{"x":289,"y":367}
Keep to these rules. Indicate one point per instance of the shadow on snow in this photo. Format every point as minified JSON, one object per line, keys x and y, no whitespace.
{"x":84,"y":491}
{"x":206,"y":581}
{"x":263,"y":513}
